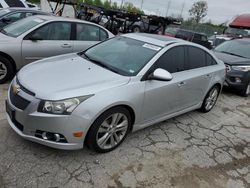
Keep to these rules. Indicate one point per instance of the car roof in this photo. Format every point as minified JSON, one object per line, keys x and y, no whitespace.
{"x":158,"y":40}
{"x":23,"y":9}
{"x":59,"y":18}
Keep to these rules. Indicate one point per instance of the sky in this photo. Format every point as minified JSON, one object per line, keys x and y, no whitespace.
{"x":219,"y":11}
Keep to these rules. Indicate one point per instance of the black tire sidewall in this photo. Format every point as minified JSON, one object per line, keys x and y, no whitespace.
{"x":203,"y":109}
{"x":91,"y":136}
{"x":10,"y":70}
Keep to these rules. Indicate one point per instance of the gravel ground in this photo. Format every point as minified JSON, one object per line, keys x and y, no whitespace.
{"x":192,"y":150}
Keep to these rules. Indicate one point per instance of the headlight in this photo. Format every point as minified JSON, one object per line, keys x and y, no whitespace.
{"x":241,"y":68}
{"x":62,"y":107}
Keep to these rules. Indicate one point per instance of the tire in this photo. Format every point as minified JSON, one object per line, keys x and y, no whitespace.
{"x":210,"y":99}
{"x":6,"y":70}
{"x":104,"y":136}
{"x":246,"y":91}
{"x":136,"y":29}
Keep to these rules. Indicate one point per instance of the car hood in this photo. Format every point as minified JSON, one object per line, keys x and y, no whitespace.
{"x":5,"y":38}
{"x":231,"y":59}
{"x":67,"y":76}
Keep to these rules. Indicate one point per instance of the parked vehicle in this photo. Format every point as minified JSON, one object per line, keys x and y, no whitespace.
{"x":236,"y":55}
{"x":10,"y":15}
{"x":17,"y":3}
{"x":216,"y":40}
{"x":171,"y":31}
{"x":123,"y":84}
{"x":191,"y":36}
{"x":240,"y":26}
{"x":37,"y":37}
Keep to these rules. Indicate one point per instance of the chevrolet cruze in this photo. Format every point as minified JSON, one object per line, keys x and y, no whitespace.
{"x":124,"y":84}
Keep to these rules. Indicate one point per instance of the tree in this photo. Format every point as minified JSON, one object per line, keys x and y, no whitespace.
{"x":89,"y":2}
{"x":198,"y":11}
{"x":107,"y":4}
{"x":98,"y":3}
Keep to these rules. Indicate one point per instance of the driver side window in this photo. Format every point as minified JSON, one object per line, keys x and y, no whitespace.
{"x":54,"y":31}
{"x":173,"y":60}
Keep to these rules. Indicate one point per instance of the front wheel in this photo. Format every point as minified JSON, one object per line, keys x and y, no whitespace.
{"x":109,"y":130}
{"x":246,"y":91}
{"x":210,"y":99}
{"x":6,"y":70}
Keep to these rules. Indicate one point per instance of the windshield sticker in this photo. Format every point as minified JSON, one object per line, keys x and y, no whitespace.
{"x":152,"y":47}
{"x":131,"y":71}
{"x":38,"y":20}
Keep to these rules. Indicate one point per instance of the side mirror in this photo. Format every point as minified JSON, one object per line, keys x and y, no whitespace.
{"x":160,"y":74}
{"x":6,"y":20}
{"x":215,"y":33}
{"x":35,"y":37}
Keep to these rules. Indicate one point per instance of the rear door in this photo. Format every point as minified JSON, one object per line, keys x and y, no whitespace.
{"x":87,"y":35}
{"x":198,"y":75}
{"x":54,"y":39}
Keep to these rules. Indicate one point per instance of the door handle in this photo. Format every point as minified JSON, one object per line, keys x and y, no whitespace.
{"x":66,"y":46}
{"x":181,"y":84}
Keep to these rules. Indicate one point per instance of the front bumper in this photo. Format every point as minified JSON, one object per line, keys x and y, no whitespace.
{"x":231,"y":77}
{"x":27,"y":122}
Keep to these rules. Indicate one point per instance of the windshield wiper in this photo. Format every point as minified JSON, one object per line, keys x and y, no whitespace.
{"x":232,"y":54}
{"x":100,"y":63}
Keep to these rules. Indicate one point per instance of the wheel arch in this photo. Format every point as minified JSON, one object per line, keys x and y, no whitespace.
{"x":13,"y":63}
{"x":126,"y":106}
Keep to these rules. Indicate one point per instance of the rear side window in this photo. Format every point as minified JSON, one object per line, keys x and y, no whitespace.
{"x":1,"y":6}
{"x":14,"y":3}
{"x":86,"y":32}
{"x":210,"y":60}
{"x":196,"y":57}
{"x":173,"y":60}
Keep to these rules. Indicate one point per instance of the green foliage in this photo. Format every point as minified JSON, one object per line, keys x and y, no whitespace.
{"x":198,"y":11}
{"x":108,"y":4}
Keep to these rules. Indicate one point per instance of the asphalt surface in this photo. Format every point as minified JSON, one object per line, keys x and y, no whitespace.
{"x":192,"y":150}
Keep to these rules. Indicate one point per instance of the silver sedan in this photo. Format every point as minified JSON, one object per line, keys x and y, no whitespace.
{"x":37,"y":37}
{"x":124,"y":84}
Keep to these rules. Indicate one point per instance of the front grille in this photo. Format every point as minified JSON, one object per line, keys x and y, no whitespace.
{"x":18,"y":101}
{"x":24,"y":88}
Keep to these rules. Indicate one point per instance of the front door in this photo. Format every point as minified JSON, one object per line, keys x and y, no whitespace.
{"x":49,"y":40}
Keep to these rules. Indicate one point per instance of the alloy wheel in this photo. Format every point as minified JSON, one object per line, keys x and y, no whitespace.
{"x":112,"y":131}
{"x":3,"y":70}
{"x":211,"y":99}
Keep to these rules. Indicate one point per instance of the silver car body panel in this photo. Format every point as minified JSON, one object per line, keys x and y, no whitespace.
{"x":26,"y":51}
{"x":71,"y":76}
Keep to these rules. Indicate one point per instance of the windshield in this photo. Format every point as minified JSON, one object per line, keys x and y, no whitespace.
{"x":237,"y":47}
{"x":17,"y":28}
{"x":171,"y":30}
{"x":124,"y":55}
{"x":238,"y":31}
{"x":3,"y":12}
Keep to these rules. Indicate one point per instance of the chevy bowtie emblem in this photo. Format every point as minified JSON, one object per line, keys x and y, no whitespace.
{"x":16,"y":89}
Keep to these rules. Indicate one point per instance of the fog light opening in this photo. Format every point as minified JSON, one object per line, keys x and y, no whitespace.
{"x":237,"y":80}
{"x":55,"y":137}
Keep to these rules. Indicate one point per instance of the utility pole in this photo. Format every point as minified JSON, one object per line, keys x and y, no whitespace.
{"x":141,"y":4}
{"x":122,"y":3}
{"x":182,"y":8}
{"x":168,"y":6}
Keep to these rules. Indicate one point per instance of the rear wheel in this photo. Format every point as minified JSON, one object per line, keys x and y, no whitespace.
{"x":6,"y":70}
{"x":210,"y":99}
{"x":109,"y":130}
{"x":246,"y":91}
